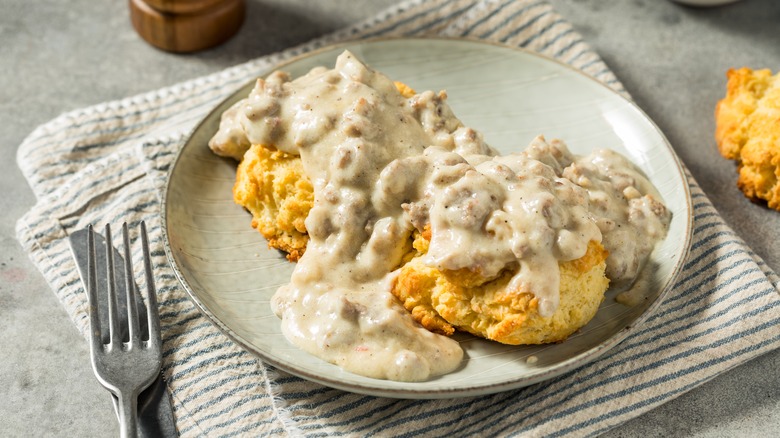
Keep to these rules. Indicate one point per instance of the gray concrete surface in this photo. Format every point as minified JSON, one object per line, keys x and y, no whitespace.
{"x":56,"y":56}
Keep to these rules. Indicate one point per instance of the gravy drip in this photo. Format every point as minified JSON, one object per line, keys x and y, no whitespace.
{"x":382,"y":166}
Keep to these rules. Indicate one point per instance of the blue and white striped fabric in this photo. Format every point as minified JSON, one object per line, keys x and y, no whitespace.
{"x":103,"y":165}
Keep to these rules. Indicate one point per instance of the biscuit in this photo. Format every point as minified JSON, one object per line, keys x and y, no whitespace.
{"x":748,"y":131}
{"x":272,"y":186}
{"x":443,"y":302}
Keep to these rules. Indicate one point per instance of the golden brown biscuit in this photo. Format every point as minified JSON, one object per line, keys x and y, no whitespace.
{"x":443,"y":302}
{"x":272,"y":186}
{"x":748,"y":131}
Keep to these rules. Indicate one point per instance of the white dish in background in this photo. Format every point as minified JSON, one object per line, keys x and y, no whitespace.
{"x":509,"y":95}
{"x":705,"y":3}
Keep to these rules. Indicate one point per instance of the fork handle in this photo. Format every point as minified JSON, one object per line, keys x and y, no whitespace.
{"x":128,"y":415}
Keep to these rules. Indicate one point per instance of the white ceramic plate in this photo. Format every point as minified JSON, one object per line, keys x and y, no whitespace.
{"x":509,"y":95}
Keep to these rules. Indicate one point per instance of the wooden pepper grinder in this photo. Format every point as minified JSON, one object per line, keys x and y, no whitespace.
{"x":186,"y":25}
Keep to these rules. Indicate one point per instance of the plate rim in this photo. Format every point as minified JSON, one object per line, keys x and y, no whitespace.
{"x":585,"y":357}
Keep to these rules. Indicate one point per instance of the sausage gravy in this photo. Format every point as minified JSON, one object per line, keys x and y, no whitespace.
{"x":383,"y":166}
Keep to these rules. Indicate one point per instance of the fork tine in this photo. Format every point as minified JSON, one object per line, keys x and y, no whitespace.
{"x":113,"y":315}
{"x":95,"y":340}
{"x":152,"y":312}
{"x":132,"y":311}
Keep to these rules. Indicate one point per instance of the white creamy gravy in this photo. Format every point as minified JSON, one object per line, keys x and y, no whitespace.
{"x":382,"y":166}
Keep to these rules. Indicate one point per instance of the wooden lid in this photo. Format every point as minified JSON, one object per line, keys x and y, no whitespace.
{"x":186,"y":25}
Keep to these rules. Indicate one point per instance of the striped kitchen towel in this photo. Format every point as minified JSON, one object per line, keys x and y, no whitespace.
{"x":92,"y":166}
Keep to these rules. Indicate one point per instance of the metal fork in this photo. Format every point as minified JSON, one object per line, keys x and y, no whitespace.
{"x":124,"y":367}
